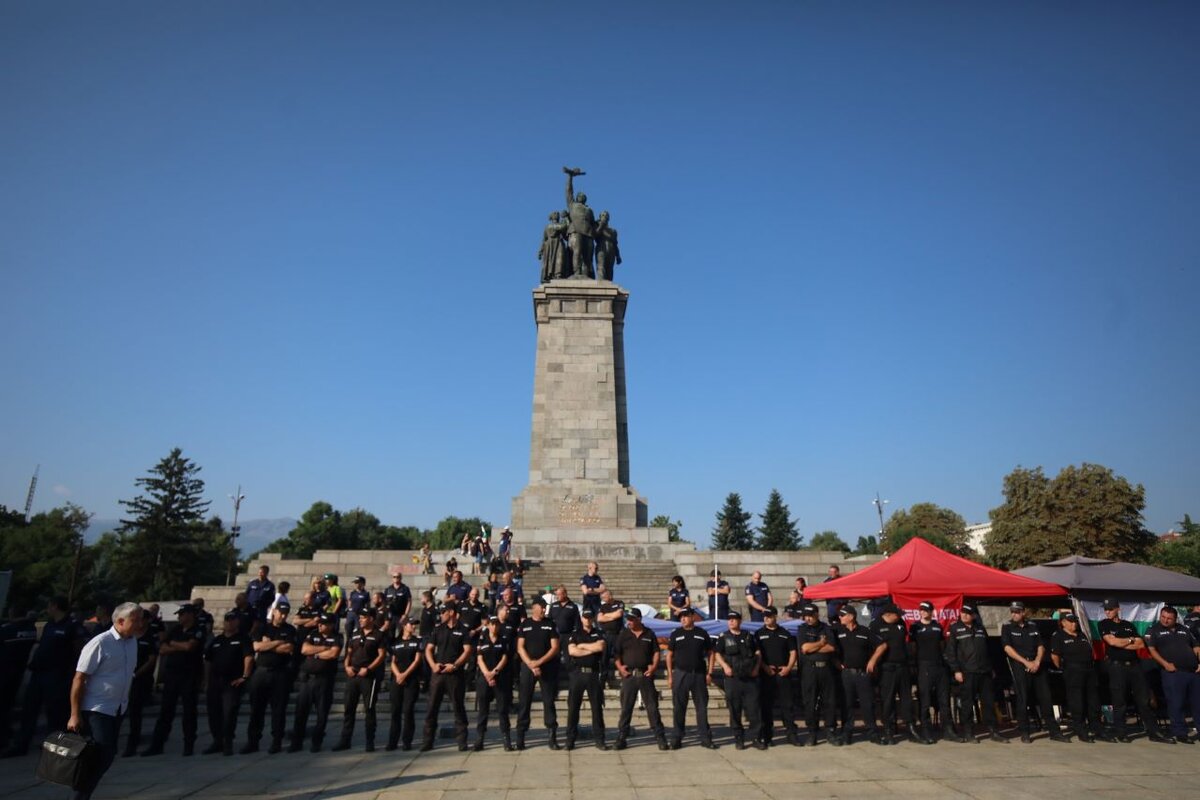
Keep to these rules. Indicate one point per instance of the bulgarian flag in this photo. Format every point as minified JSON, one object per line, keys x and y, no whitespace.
{"x":1142,"y":615}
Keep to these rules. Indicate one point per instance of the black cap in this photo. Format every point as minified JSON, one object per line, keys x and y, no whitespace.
{"x":734,"y":615}
{"x":892,"y":608}
{"x":633,"y":613}
{"x":494,"y":618}
{"x":360,"y":579}
{"x":186,"y":608}
{"x":1016,"y":605}
{"x":1071,"y":617}
{"x":926,"y":605}
{"x":847,"y":611}
{"x":538,"y":600}
{"x":1112,"y":603}
{"x":230,"y":615}
{"x":284,"y":607}
{"x":587,"y":612}
{"x":366,"y":612}
{"x":327,"y":618}
{"x":412,"y":620}
{"x":968,"y":609}
{"x":810,"y":611}
{"x":329,"y":576}
{"x":770,"y":611}
{"x":686,"y":611}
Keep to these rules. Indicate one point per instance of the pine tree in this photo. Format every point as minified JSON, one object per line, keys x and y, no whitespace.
{"x":778,"y":529}
{"x":733,"y":526}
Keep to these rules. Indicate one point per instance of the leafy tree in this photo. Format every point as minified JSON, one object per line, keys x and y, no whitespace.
{"x":867,"y":546}
{"x":323,"y":527}
{"x":828,"y":540}
{"x":665,"y":521}
{"x":733,"y":526}
{"x":1182,"y":554}
{"x":1085,"y":510}
{"x":778,"y":529}
{"x":449,"y":532}
{"x":941,"y":526}
{"x":41,"y":552}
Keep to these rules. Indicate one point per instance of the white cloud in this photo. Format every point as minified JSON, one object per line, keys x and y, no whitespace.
{"x":60,"y":490}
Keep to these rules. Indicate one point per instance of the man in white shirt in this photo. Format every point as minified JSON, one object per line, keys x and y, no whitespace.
{"x":100,"y":689}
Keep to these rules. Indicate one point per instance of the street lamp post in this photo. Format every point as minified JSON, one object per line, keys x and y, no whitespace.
{"x":879,"y":504}
{"x":234,"y":530}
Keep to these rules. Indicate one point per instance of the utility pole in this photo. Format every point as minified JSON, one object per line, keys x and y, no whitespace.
{"x":234,"y":530}
{"x":32,"y":489}
{"x":879,"y":504}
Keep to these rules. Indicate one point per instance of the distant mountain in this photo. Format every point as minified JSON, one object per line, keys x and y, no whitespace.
{"x":256,"y":533}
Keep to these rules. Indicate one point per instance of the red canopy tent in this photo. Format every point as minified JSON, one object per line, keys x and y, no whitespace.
{"x":920,"y":571}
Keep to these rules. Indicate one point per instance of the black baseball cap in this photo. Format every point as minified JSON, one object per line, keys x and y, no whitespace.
{"x":734,"y":615}
{"x":968,"y":609}
{"x":587,"y":612}
{"x":633,"y":613}
{"x":538,"y":600}
{"x":770,"y":611}
{"x":186,"y":608}
{"x":494,"y":618}
{"x":1071,"y":617}
{"x":1016,"y":605}
{"x":686,"y":611}
{"x":847,"y":611}
{"x":230,"y":615}
{"x":366,"y":612}
{"x":892,"y":608}
{"x":360,"y":579}
{"x":810,"y":611}
{"x":926,"y":605}
{"x":327,"y":618}
{"x":1112,"y":603}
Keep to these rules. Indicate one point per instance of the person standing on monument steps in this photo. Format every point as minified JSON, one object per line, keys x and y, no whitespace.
{"x":321,"y":651}
{"x":269,"y":685}
{"x":817,"y":652}
{"x":230,"y":658}
{"x":537,"y":648}
{"x":778,"y":649}
{"x":364,"y":670}
{"x":738,"y":657}
{"x":182,"y":657}
{"x":591,"y":587}
{"x":581,"y":227}
{"x":637,"y":661}
{"x":406,"y":653}
{"x":447,"y":652}
{"x":689,"y":674}
{"x":585,"y":646}
{"x":493,"y":681}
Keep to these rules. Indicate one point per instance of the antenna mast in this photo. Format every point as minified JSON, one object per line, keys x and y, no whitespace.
{"x":32,"y":489}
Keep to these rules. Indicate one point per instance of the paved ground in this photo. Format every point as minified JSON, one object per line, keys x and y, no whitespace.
{"x":1012,"y":771}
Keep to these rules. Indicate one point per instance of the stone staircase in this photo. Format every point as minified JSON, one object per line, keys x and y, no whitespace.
{"x":632,"y":582}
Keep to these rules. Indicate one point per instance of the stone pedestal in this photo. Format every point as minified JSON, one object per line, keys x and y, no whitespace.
{"x":579,"y":447}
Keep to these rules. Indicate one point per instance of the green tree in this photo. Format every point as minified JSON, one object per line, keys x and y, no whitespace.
{"x":828,"y":540}
{"x":732,"y":531}
{"x":867,"y":546}
{"x":449,"y":532}
{"x":41,"y":553}
{"x":672,"y":526}
{"x":941,"y":526}
{"x":1085,"y":510}
{"x":778,"y":529}
{"x":1182,"y":554}
{"x":166,"y":547}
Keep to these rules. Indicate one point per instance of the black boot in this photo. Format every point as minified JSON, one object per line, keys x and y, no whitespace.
{"x":995,"y":736}
{"x":508,"y":744}
{"x":554,"y":745}
{"x":601,"y":744}
{"x":520,"y":740}
{"x":950,"y":734}
{"x":620,"y":745}
{"x":477,"y":745}
{"x":662,"y":741}
{"x":739,"y":743}
{"x":343,"y":744}
{"x":276,"y":746}
{"x":426,"y":745}
{"x":708,"y":743}
{"x":189,"y":748}
{"x":213,"y":748}
{"x":252,"y":747}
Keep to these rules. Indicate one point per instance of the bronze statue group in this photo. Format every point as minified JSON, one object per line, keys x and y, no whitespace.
{"x":575,"y":244}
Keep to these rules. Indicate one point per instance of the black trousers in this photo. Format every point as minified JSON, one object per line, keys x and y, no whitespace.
{"x":366,"y":689}
{"x":268,"y":688}
{"x":582,"y":683}
{"x":10,"y":682}
{"x":548,"y":685}
{"x":316,"y":690}
{"x":454,"y":685}
{"x":741,"y":695}
{"x":977,"y":686}
{"x":404,"y":701}
{"x":775,"y":690}
{"x":637,"y":683}
{"x":1083,"y":698}
{"x":933,"y":690}
{"x":1027,"y":685}
{"x":1125,"y":678}
{"x":690,"y":686}
{"x":178,"y":688}
{"x":48,"y":690}
{"x":223,"y":702}
{"x":856,"y":684}
{"x":485,"y":696}
{"x":140,"y":691}
{"x":819,"y":685}
{"x":895,"y":681}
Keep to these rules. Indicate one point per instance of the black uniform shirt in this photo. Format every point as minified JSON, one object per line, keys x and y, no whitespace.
{"x":808,"y":634}
{"x":739,"y":651}
{"x":429,"y":621}
{"x":776,"y":645}
{"x":1192,"y":623}
{"x":364,"y":647}
{"x":636,"y":650}
{"x":1174,"y":644}
{"x":226,"y":655}
{"x":794,"y":610}
{"x":204,"y":621}
{"x":471,"y":616}
{"x":271,"y":659}
{"x":895,"y":636}
{"x":492,"y":650}
{"x":678,"y":598}
{"x":613,"y":626}
{"x":56,"y":651}
{"x":398,"y":599}
{"x":184,"y":662}
{"x":1075,"y":651}
{"x":929,"y":640}
{"x":17,"y":639}
{"x":856,"y":646}
{"x":318,"y":666}
{"x":1022,"y":637}
{"x":967,"y":648}
{"x":357,"y":600}
{"x":449,"y":643}
{"x":1122,"y":630}
{"x":538,"y":636}
{"x":147,"y":645}
{"x":580,"y":636}
{"x":690,"y":649}
{"x":565,"y":617}
{"x":245,"y":619}
{"x":405,"y":651}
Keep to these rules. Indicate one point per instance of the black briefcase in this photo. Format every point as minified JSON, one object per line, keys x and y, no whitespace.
{"x":68,"y":759}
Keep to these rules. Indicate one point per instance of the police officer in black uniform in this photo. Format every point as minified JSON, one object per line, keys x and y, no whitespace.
{"x":538,"y":647}
{"x":493,"y":680}
{"x":271,"y":681}
{"x":230,"y":658}
{"x":1072,"y":652}
{"x":636,"y":663}
{"x":817,"y":652}
{"x":398,"y":596}
{"x":142,"y":686}
{"x":895,"y":678}
{"x":473,"y":614}
{"x":1174,"y":649}
{"x":738,"y":657}
{"x":1125,"y":676}
{"x":778,"y":649}
{"x":447,"y":652}
{"x":860,"y":650}
{"x":1027,"y":661}
{"x":17,"y":639}
{"x":689,"y":673}
{"x":322,"y":650}
{"x":50,"y":672}
{"x":564,"y":613}
{"x":610,"y":619}
{"x":356,"y":600}
{"x":933,"y":681}
{"x":967,"y":656}
{"x":182,"y":657}
{"x":585,"y":648}
{"x":364,"y":670}
{"x":306,"y":625}
{"x":407,"y":652}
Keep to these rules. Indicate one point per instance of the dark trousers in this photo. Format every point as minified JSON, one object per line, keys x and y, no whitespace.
{"x":1183,"y":695}
{"x":585,"y":683}
{"x":268,"y":687}
{"x":139,"y":694}
{"x":1032,"y":685}
{"x":223,"y":703}
{"x":977,"y":686}
{"x":105,"y":730}
{"x":365,"y":688}
{"x":178,"y":689}
{"x":1125,"y":678}
{"x":500,"y":694}
{"x":453,"y":685}
{"x":818,"y":685}
{"x":637,"y":683}
{"x":895,"y":683}
{"x":776,"y":691}
{"x":856,"y":684}
{"x":1083,"y":698}
{"x":548,"y":685}
{"x":404,"y":701}
{"x":690,"y":686}
{"x":741,"y":695}
{"x":315,"y":691}
{"x":48,"y":690}
{"x":933,"y":691}
{"x":10,"y":682}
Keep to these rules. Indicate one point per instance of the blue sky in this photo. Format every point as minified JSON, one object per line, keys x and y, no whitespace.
{"x":901,"y":247}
